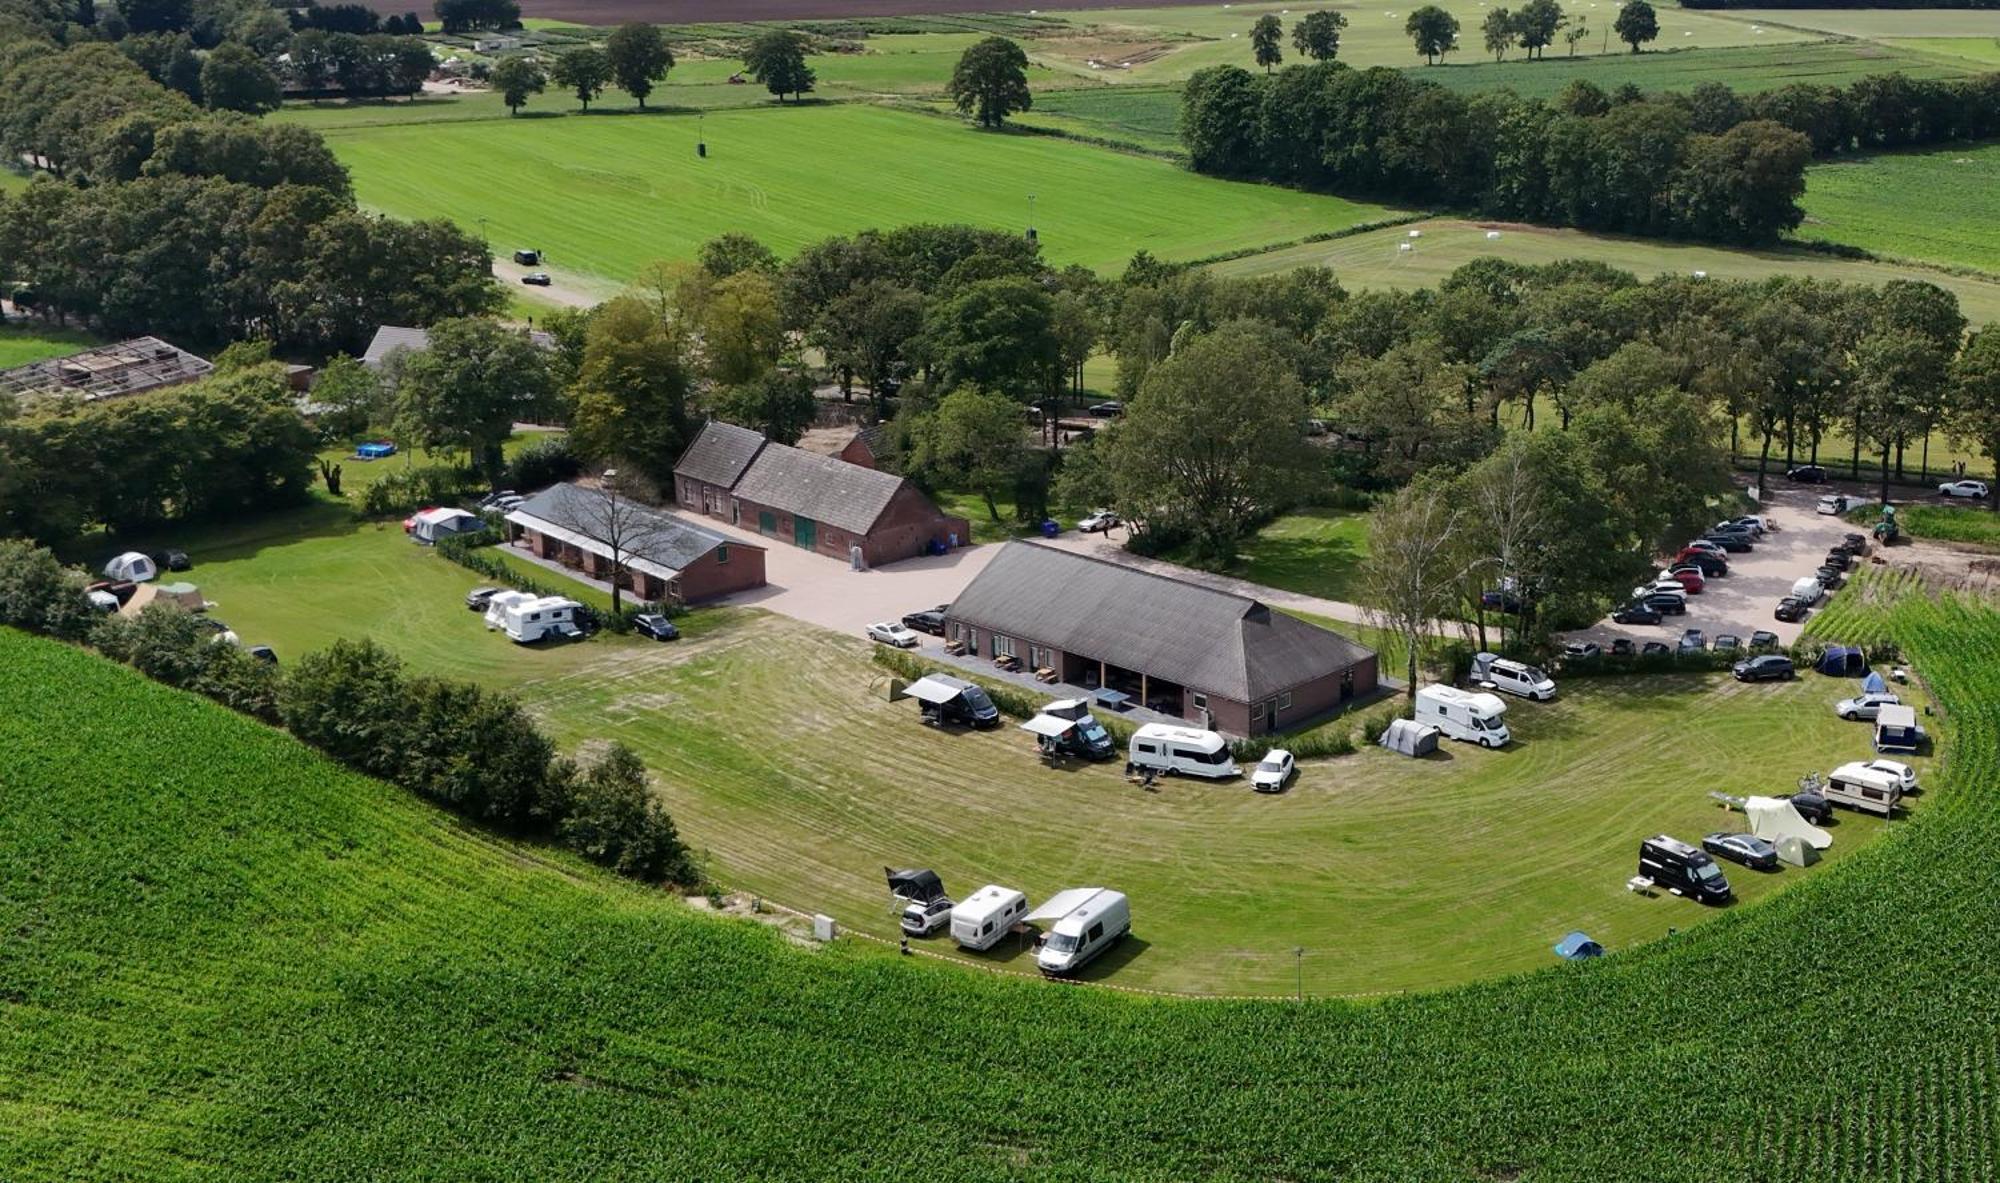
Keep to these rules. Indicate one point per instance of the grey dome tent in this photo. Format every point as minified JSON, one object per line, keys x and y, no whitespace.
{"x":1843,"y":661}
{"x":1410,"y":738}
{"x":1577,"y":946}
{"x":917,"y":885}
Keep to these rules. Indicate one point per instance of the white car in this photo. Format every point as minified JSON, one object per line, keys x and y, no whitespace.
{"x":1099,"y":519}
{"x":1661,"y":587}
{"x":890,"y":633}
{"x":1833,"y":504}
{"x":1272,"y":771}
{"x":1973,"y":489}
{"x":1904,"y":775}
{"x":922,"y":919}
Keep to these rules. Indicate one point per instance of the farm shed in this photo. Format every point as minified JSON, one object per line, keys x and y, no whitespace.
{"x":392,"y":339}
{"x":661,"y":558}
{"x":1225,"y":661}
{"x":1410,"y":738}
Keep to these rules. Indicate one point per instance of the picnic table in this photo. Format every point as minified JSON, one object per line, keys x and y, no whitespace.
{"x":1117,"y":700}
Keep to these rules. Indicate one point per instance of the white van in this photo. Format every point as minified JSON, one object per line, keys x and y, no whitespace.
{"x":1513,"y":677}
{"x":1464,"y":715}
{"x":1858,"y":786}
{"x":1807,"y":591}
{"x":981,"y":919}
{"x":1183,"y":750}
{"x":1088,"y":920}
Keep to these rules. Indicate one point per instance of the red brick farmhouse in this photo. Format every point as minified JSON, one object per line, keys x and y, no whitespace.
{"x":661,"y":558}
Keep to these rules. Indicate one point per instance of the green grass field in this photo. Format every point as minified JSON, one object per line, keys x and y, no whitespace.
{"x":1873,"y":23}
{"x":1314,"y":552}
{"x":1746,"y":69}
{"x":227,"y":958}
{"x":604,"y":196}
{"x":1939,"y":205}
{"x":1977,"y":525}
{"x":1372,"y":260}
{"x":21,"y":344}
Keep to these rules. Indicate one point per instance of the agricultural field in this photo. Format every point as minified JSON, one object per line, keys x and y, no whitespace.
{"x":1879,"y":23}
{"x":24,"y":343}
{"x":604,"y":195}
{"x":1373,"y":259}
{"x":225,"y":952}
{"x":1940,"y":205}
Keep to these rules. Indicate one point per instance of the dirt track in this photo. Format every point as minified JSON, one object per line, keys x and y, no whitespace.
{"x":677,"y":12}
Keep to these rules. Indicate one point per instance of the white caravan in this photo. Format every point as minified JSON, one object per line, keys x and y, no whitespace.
{"x":526,"y":618}
{"x":1514,"y":677}
{"x":1859,"y":786}
{"x":1184,"y":750}
{"x":1088,"y":920}
{"x":982,"y":918}
{"x":1464,"y":715}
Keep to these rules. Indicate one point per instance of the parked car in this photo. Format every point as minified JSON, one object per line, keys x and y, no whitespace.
{"x":1807,"y":474}
{"x":1690,"y":579}
{"x":1838,"y":557}
{"x":1501,"y":600}
{"x":1973,"y":489}
{"x":1854,"y":544}
{"x":1748,"y":849}
{"x":1791,"y":609}
{"x":930,"y":620}
{"x":1770,"y":667}
{"x":1623,"y":647}
{"x":493,"y":499}
{"x":656,"y":626}
{"x":921,"y":919}
{"x":1582,"y":651}
{"x":1709,"y":545}
{"x":1693,"y":641}
{"x":1813,"y":807}
{"x":1752,"y":523}
{"x":1273,"y":771}
{"x":1763,"y":639}
{"x":1654,"y":649}
{"x":1904,"y":775}
{"x":173,"y":560}
{"x":264,"y":653}
{"x":528,"y":258}
{"x":1679,"y":868}
{"x":1110,"y":408}
{"x":1728,"y":643}
{"x":1734,"y":541}
{"x":1832,"y":505}
{"x":1710,"y":564}
{"x":1667,"y":603}
{"x":1636,"y":612}
{"x":1098,"y":521}
{"x":1864,"y":706}
{"x":479,"y":597}
{"x":1829,"y":577}
{"x":537,"y":279}
{"x":1667,"y":587}
{"x":890,"y":633}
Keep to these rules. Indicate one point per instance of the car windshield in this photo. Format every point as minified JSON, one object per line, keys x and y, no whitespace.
{"x":1707,"y":872}
{"x":1533,"y":675}
{"x":1061,"y":942}
{"x":1093,"y":732}
{"x":1271,"y":766}
{"x":976,"y":699}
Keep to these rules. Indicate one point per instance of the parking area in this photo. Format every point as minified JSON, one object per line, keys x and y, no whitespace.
{"x":1743,"y":601}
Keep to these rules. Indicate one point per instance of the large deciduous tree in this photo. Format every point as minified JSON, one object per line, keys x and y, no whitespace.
{"x":1434,"y":32}
{"x":868,"y":329}
{"x":1317,"y":34}
{"x":998,"y":334}
{"x":516,"y":78}
{"x":1499,"y":32}
{"x":1536,"y":23}
{"x":1637,"y":24}
{"x":780,"y":404}
{"x":233,"y":78}
{"x":1414,"y":567}
{"x":778,"y":60}
{"x":1221,"y":117}
{"x":466,"y":389}
{"x":1267,"y":41}
{"x":639,"y":57}
{"x":631,"y":392}
{"x":990,"y":81}
{"x":973,"y":438}
{"x":585,"y":71}
{"x":1975,"y":399}
{"x":742,"y":329}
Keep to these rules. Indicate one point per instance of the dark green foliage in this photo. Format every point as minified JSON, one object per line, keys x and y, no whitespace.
{"x":638,"y":56}
{"x":1220,"y":109}
{"x":777,"y":58}
{"x":464,"y":16}
{"x":1637,"y":24}
{"x":727,"y":254}
{"x":541,"y":464}
{"x":1267,"y":41}
{"x":780,"y":404}
{"x":614,"y":820}
{"x":40,"y":595}
{"x":991,"y":81}
{"x":407,"y":489}
{"x":586,"y":71}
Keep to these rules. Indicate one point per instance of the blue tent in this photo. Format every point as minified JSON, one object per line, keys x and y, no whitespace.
{"x":1576,"y":946}
{"x":1843,"y":661}
{"x":1873,"y":684}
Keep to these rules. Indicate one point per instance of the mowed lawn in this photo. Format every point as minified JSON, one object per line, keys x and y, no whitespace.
{"x":1939,"y":205}
{"x":606,"y":195}
{"x":22,"y":344}
{"x":1314,"y":552}
{"x":782,"y":760}
{"x":1373,"y":259}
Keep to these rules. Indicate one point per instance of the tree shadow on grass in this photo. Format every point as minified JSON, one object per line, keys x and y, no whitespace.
{"x":229,"y":538}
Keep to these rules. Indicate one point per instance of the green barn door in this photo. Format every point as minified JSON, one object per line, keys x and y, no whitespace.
{"x":805,"y":531}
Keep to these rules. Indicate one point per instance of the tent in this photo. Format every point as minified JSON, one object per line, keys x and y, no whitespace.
{"x":131,"y":566}
{"x":187,"y":595}
{"x":1843,"y":661}
{"x":923,"y":886}
{"x":1874,"y":684}
{"x":1410,"y":738}
{"x":1797,"y":852}
{"x":435,"y":524}
{"x":1577,"y":946}
{"x":1775,"y":819}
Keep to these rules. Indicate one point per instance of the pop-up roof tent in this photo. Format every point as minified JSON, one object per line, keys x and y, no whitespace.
{"x":919,"y":885}
{"x":1874,"y":684}
{"x":1843,"y":661}
{"x":1577,"y":946}
{"x":131,"y":566}
{"x":1047,"y":726}
{"x":1410,"y":738}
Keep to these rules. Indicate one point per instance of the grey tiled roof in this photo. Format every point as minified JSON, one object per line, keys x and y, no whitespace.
{"x":664,"y":539}
{"x":1205,"y":639}
{"x":840,"y":494}
{"x":388,"y":339}
{"x":719,"y":454}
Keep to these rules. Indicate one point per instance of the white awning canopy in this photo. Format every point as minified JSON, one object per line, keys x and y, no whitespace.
{"x":629,"y":562}
{"x":932,"y":691}
{"x":1047,"y":726}
{"x":1062,"y":904}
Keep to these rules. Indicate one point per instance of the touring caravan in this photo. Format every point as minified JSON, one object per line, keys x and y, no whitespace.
{"x":1183,"y":750}
{"x":1513,"y":677}
{"x":982,"y":918}
{"x":1088,"y":920}
{"x":528,"y":618}
{"x":1897,"y":729}
{"x":1858,"y":786}
{"x":1464,"y":715}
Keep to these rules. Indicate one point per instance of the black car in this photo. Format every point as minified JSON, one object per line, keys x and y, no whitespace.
{"x":1623,"y":647}
{"x":1854,"y":544}
{"x":656,"y":626}
{"x":1813,"y":807}
{"x":1638,"y":612}
{"x":1501,"y":601}
{"x":1807,"y":474}
{"x":1667,"y":603}
{"x":479,"y":597}
{"x":1711,"y":566}
{"x":1654,"y":649}
{"x":173,"y":560}
{"x":537,"y":279}
{"x":265,"y":654}
{"x":1728,"y":643}
{"x":1693,"y":641}
{"x":1108,"y":409}
{"x":1829,"y":577}
{"x":930,"y":620}
{"x":528,"y":258}
{"x":1763,"y":639}
{"x":1677,"y":867}
{"x":1748,"y":849}
{"x":1770,"y":667}
{"x":1733,"y":541}
{"x":1838,"y":557}
{"x":1791,"y":609}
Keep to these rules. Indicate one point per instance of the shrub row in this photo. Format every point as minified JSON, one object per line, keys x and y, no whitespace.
{"x":412,"y":489}
{"x":465,"y":747}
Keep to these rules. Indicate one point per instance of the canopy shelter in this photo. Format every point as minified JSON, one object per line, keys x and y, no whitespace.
{"x":932,"y":690}
{"x":1047,"y":726}
{"x":1067,"y":708}
{"x":1843,"y":661}
{"x":1410,"y":738}
{"x":1577,"y":946}
{"x":922,"y":886}
{"x":1775,"y":818}
{"x":1061,"y":904}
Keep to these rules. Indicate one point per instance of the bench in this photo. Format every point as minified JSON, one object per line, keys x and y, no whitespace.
{"x":1045,"y":674}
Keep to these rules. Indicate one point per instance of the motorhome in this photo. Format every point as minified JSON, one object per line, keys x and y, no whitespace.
{"x":1088,"y":920}
{"x":1858,"y":786}
{"x":1082,"y":736}
{"x":1464,"y":715}
{"x":1183,"y":750}
{"x":982,"y":918}
{"x":945,"y":699}
{"x":528,"y":618}
{"x":1675,"y":866}
{"x":1512,"y":677}
{"x":1897,"y":729}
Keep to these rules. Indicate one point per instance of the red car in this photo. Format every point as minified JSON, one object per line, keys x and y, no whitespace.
{"x":410,"y":523}
{"x":1689,"y":577}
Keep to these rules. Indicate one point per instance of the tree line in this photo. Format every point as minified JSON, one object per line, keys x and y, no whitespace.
{"x":637,"y":58}
{"x":471,"y":750}
{"x":1708,"y":164}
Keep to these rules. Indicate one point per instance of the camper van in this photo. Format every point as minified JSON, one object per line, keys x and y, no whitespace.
{"x":1182,"y":750}
{"x":1681,"y":869}
{"x":1464,"y":715}
{"x":1858,"y":786}
{"x":1897,"y":729}
{"x":945,"y":699}
{"x":1088,"y":920}
{"x":1512,"y":677}
{"x":982,"y":918}
{"x":528,"y":618}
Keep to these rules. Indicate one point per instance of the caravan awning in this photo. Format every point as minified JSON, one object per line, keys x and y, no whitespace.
{"x":932,"y":691}
{"x":1047,"y":726}
{"x":1061,"y":904}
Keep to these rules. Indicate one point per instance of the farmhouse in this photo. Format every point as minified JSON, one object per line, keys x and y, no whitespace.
{"x":817,"y":502}
{"x":109,"y":371}
{"x":390,"y":339}
{"x":1222,"y":660}
{"x":662,"y":558}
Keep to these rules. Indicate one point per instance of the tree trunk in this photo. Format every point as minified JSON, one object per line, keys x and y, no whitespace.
{"x":1410,"y":687}
{"x":1885,"y":472}
{"x":1854,"y":462}
{"x":1899,"y":455}
{"x":1763,"y":459}
{"x":992,"y":510}
{"x":1927,"y":454}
